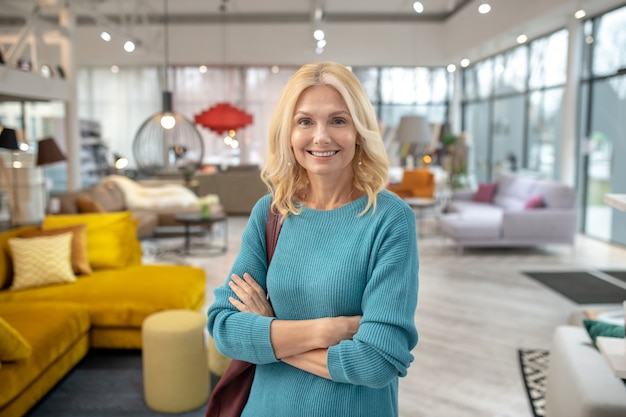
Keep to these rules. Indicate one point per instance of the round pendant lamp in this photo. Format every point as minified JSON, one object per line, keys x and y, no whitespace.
{"x":167,"y":141}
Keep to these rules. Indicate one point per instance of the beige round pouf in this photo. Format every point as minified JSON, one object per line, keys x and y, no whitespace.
{"x":217,"y":362}
{"x":175,"y":368}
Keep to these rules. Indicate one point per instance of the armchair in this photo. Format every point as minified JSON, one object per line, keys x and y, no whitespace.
{"x":415,"y":183}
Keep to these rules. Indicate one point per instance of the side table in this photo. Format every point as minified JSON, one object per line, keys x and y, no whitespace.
{"x":196,"y":219}
{"x":419,"y":205}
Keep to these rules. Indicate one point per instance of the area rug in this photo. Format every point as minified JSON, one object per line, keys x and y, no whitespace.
{"x":621,"y":275}
{"x":106,"y":383}
{"x":534,"y":367}
{"x":582,"y":287}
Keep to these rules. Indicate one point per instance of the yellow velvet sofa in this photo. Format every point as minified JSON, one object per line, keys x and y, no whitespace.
{"x":47,"y":327}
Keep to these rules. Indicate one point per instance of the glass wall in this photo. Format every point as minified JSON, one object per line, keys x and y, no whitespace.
{"x":603,"y":141}
{"x":512,"y":109}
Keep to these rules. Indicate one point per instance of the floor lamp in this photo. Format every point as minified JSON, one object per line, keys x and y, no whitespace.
{"x":8,"y":140}
{"x":48,"y":153}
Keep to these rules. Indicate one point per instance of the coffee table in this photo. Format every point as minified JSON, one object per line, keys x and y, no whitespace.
{"x":196,"y":219}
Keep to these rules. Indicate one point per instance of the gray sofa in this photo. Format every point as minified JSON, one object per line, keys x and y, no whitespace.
{"x":505,"y":222}
{"x":580,"y":383}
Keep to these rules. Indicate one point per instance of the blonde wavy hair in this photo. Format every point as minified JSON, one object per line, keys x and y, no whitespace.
{"x":282,"y":173}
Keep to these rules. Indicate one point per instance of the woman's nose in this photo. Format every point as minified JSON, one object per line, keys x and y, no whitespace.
{"x":321,"y":136}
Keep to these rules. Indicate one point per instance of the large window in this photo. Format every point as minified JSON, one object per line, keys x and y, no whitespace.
{"x":122,"y":101}
{"x":512,"y":109}
{"x":602,"y":139}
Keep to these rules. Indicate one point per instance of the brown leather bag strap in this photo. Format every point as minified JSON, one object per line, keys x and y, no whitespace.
{"x":272,"y":230}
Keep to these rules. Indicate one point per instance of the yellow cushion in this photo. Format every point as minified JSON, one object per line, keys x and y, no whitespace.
{"x":41,"y":261}
{"x":111,"y":237}
{"x":12,"y":345}
{"x":80,"y":260}
{"x":6,"y":265}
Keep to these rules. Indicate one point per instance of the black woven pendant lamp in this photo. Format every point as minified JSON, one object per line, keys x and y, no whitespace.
{"x":167,"y":141}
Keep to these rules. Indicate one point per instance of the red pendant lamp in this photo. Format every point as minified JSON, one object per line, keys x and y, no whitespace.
{"x":223,"y":117}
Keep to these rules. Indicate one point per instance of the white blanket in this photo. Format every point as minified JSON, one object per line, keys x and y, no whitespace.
{"x":164,"y":196}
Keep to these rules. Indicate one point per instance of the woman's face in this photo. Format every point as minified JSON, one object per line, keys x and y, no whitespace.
{"x":323,"y":135}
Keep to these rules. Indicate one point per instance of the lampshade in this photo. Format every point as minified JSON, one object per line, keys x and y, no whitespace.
{"x":413,"y":129}
{"x":8,"y":139}
{"x":48,"y":152}
{"x":223,"y":117}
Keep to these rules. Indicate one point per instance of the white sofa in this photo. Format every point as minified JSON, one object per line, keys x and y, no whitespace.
{"x":505,"y":221}
{"x":580,"y":382}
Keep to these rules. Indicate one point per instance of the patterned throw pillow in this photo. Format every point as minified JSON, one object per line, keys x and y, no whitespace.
{"x":80,"y":260}
{"x":12,"y":345}
{"x":41,"y":261}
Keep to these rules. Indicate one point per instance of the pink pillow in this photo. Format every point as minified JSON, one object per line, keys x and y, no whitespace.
{"x":486,"y":191}
{"x":535,"y":201}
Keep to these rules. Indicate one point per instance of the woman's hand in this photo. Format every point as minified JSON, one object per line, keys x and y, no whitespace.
{"x":252,"y":298}
{"x":336,"y":329}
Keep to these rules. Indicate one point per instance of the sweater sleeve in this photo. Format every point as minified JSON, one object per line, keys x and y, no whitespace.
{"x":241,"y":335}
{"x":381,"y":349}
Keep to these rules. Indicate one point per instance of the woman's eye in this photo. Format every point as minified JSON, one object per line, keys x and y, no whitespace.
{"x":339,"y":121}
{"x":304,"y":122}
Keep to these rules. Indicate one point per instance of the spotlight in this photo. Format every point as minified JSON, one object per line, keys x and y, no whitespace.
{"x":484,"y":8}
{"x":418,"y":7}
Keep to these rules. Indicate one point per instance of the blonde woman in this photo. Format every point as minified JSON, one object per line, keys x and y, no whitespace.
{"x":339,"y":328}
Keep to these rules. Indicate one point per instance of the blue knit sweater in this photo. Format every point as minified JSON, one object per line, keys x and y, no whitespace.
{"x":327,"y":264}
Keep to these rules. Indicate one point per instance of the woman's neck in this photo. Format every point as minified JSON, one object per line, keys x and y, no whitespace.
{"x":328,"y":196}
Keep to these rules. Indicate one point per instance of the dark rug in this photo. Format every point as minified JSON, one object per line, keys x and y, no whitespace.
{"x":621,"y":275}
{"x":534,"y":367}
{"x":581,"y":287}
{"x":106,"y":383}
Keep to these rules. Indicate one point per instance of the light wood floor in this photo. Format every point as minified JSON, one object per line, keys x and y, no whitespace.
{"x":474,"y":312}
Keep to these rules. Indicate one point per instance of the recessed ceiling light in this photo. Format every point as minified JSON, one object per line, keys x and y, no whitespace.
{"x":203,"y":69}
{"x":106,"y":36}
{"x":319,"y":34}
{"x":115,"y":69}
{"x":465,"y":62}
{"x":418,"y":7}
{"x":451,"y":68}
{"x":484,"y":8}
{"x":129,"y":46}
{"x":275,"y":69}
{"x":522,"y":39}
{"x":580,"y":14}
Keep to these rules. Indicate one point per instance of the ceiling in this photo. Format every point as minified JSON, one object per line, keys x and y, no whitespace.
{"x":195,"y":11}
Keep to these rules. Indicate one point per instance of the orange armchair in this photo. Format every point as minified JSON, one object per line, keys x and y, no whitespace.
{"x":415,"y":183}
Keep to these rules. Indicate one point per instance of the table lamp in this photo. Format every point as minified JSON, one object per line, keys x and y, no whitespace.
{"x":414,"y":136}
{"x":48,"y":153}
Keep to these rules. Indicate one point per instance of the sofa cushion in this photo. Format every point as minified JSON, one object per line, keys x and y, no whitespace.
{"x":471,"y":227}
{"x":57,"y":333}
{"x":122,"y":298}
{"x":555,"y":195}
{"x":12,"y":345}
{"x":111,"y":237}
{"x":86,"y":204}
{"x":486,"y":192}
{"x":80,"y":259}
{"x":601,"y":328}
{"x":109,"y":196}
{"x":535,"y":201}
{"x":41,"y":261}
{"x":6,"y":263}
{"x":514,"y":191}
